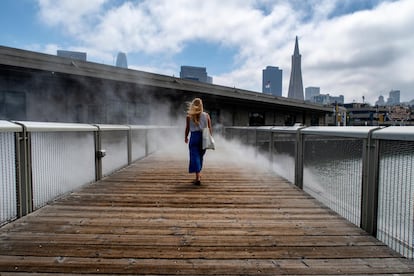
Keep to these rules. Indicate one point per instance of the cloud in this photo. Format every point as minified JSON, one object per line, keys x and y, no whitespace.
{"x":75,"y":16}
{"x":348,"y":47}
{"x":363,"y":53}
{"x":165,"y":26}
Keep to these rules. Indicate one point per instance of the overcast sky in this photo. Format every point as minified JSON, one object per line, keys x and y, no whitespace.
{"x":351,"y":47}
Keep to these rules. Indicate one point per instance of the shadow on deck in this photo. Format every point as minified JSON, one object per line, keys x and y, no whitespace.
{"x":149,"y":219}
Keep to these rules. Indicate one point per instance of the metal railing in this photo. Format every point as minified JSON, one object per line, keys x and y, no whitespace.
{"x":42,"y":161}
{"x":396,"y":187}
{"x":8,"y":191}
{"x":365,"y":174}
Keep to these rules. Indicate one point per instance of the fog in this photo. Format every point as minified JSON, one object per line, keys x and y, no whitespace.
{"x":227,"y":153}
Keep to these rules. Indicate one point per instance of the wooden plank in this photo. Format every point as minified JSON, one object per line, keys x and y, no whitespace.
{"x":207,"y":267}
{"x":179,"y":240}
{"x":148,"y":219}
{"x":198,"y":252}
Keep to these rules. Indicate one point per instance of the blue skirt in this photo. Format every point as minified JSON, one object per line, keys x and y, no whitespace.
{"x":196,"y":152}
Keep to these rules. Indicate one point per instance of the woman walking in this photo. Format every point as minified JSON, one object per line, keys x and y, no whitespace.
{"x":196,"y":120}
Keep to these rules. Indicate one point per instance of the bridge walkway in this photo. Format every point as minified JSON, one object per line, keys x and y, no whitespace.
{"x":148,"y":219}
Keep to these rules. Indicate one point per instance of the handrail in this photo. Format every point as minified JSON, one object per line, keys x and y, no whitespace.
{"x":347,"y":131}
{"x":55,"y":127}
{"x":6,"y":126}
{"x":107,"y":127}
{"x":137,"y":127}
{"x":404,"y":133}
{"x":390,"y":133}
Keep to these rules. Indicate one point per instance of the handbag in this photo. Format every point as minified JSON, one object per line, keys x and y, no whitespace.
{"x":208,"y":140}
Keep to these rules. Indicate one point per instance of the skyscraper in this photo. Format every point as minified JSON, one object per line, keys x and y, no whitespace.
{"x":311,"y":92}
{"x":394,"y":97}
{"x":272,"y":81}
{"x":195,"y":73}
{"x":121,"y":60}
{"x":296,"y":84}
{"x":72,"y":54}
{"x":380,"y":101}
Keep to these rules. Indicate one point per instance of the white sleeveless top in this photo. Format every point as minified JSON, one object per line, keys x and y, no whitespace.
{"x":202,"y":124}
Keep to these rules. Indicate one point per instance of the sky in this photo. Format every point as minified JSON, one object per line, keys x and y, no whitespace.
{"x":355,"y":48}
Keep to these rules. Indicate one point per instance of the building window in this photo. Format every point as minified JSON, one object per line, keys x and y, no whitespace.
{"x":256,"y":119}
{"x":13,"y":105}
{"x":290,"y":120}
{"x":215,"y":116}
{"x":314,"y":120}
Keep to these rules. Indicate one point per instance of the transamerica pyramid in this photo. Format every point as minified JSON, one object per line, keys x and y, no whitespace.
{"x":295,"y":84}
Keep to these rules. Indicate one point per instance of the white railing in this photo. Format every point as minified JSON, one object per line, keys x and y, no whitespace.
{"x":42,"y":161}
{"x":365,"y":174}
{"x":114,"y":139}
{"x":396,"y":188}
{"x":8,"y":203}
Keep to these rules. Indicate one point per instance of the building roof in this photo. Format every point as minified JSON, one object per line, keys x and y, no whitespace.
{"x":18,"y":58}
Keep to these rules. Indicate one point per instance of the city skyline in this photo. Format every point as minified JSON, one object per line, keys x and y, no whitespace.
{"x":350,"y":47}
{"x":393,"y":97}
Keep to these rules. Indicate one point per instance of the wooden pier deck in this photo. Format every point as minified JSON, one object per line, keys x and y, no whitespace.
{"x":148,"y":219}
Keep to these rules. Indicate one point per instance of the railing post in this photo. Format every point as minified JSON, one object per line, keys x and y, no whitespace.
{"x":99,"y":154}
{"x":23,"y":173}
{"x":299,"y":148}
{"x":129,"y":145}
{"x":369,"y":193}
{"x":146,"y":132}
{"x":256,"y":150}
{"x":271,"y":147}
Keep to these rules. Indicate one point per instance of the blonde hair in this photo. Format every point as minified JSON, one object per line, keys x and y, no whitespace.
{"x":195,"y":108}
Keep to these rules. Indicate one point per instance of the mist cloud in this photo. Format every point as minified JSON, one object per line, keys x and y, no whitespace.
{"x":365,"y":52}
